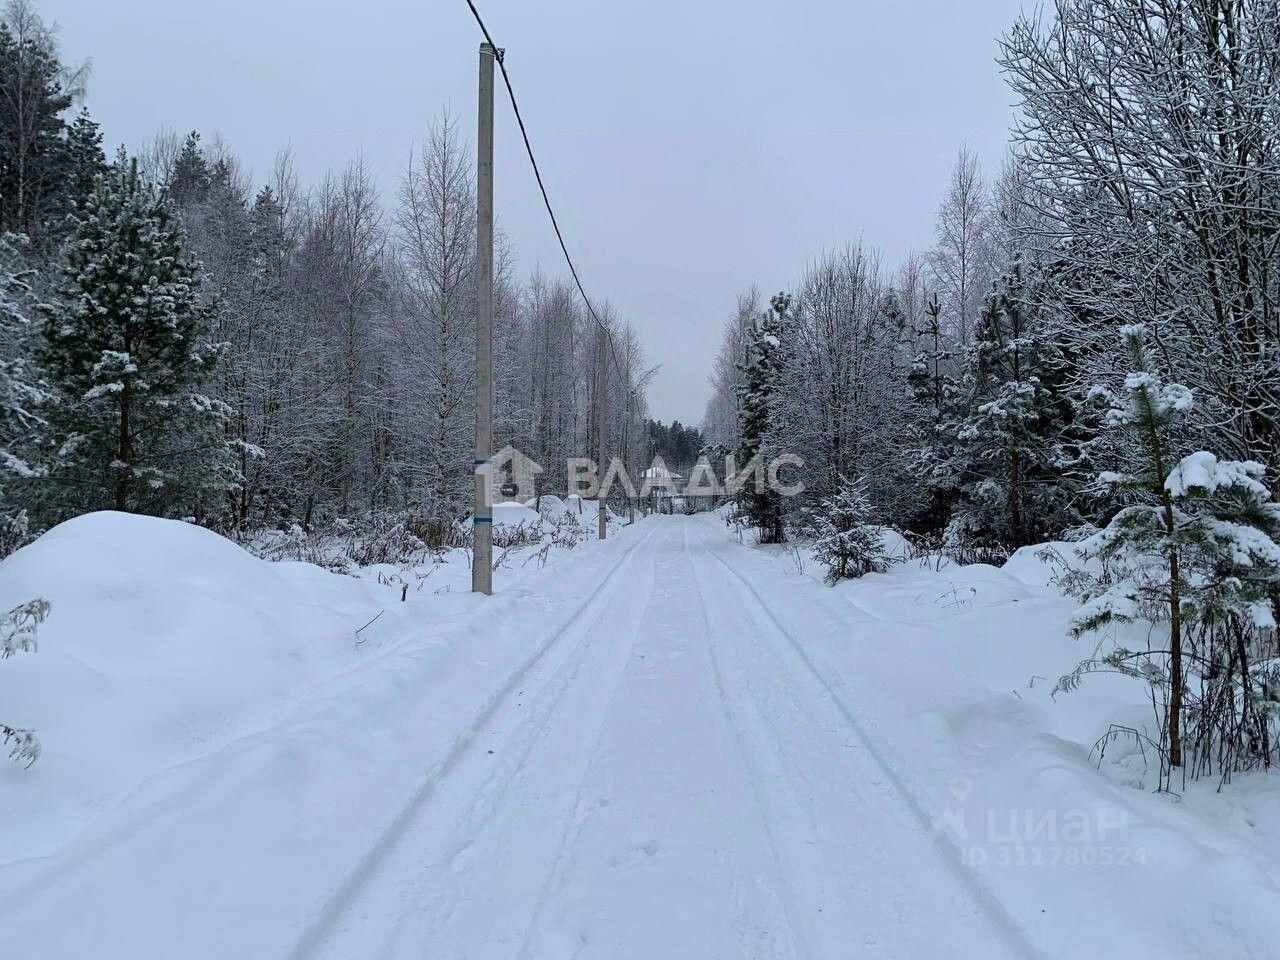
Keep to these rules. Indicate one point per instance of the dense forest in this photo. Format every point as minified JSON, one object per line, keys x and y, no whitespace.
{"x":679,"y":446}
{"x":178,"y":340}
{"x":1090,"y":351}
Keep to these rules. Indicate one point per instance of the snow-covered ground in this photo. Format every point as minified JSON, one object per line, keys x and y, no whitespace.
{"x":666,"y":745}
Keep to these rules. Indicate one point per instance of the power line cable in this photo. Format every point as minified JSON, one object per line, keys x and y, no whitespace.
{"x":546,"y":200}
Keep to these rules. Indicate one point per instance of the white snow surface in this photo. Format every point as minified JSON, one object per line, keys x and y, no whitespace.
{"x":513,"y":514}
{"x":666,"y":745}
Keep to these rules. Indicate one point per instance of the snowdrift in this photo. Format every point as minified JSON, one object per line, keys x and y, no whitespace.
{"x":544,"y":514}
{"x":955,"y":669}
{"x":164,"y":641}
{"x":225,"y":737}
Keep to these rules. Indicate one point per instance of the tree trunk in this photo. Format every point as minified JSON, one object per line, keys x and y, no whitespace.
{"x":1175,"y":659}
{"x":1175,"y":600}
{"x":1015,"y":501}
{"x":124,"y":453}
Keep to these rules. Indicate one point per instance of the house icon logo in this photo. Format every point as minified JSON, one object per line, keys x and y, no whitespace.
{"x":508,"y":475}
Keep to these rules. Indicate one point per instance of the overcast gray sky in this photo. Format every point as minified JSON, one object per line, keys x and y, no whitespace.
{"x":692,"y":147}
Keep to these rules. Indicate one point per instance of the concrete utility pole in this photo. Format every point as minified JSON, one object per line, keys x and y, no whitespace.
{"x":482,"y":515}
{"x":598,"y":402}
{"x":628,"y":442}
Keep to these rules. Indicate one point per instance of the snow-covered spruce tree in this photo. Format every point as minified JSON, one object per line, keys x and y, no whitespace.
{"x":935,"y":403}
{"x":848,"y":543}
{"x":127,"y":347}
{"x":191,"y":177}
{"x":1196,"y":549}
{"x":20,"y":393}
{"x":85,"y":159}
{"x":761,"y":376}
{"x":35,"y":90}
{"x":1006,"y":453}
{"x":1229,"y":528}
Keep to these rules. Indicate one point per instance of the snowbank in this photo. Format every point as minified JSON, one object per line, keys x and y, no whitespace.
{"x":1041,"y":564}
{"x":549,"y":505}
{"x":953,"y":671}
{"x":164,"y":641}
{"x":218,"y":740}
{"x":547,"y":512}
{"x":895,"y":544}
{"x":513,"y":514}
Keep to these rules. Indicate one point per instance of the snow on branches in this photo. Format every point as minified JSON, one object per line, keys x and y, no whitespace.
{"x":18,"y":635}
{"x":1195,"y":547}
{"x":848,"y":543}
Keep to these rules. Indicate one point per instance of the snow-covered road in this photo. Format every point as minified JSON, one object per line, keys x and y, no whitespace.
{"x":667,"y":745}
{"x":672,"y":779}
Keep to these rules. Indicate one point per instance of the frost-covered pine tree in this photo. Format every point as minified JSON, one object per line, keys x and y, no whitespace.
{"x":1196,"y":546}
{"x":761,"y":377}
{"x":1141,"y":546}
{"x":848,"y":543}
{"x":1007,"y":451}
{"x":85,"y":159}
{"x":20,"y":392}
{"x":127,"y":345}
{"x":1229,"y":527}
{"x":936,"y":401}
{"x":191,"y":177}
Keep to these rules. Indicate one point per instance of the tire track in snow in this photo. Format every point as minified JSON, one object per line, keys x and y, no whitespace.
{"x":986,"y":901}
{"x":821,"y":858}
{"x":786,"y":896}
{"x":573,"y":826}
{"x":335,"y":907}
{"x":545,"y":707}
{"x":542,"y":710}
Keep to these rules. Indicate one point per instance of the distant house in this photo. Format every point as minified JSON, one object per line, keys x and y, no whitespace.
{"x":665,"y":488}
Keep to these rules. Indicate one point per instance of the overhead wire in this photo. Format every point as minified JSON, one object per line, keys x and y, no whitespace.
{"x":546,"y":199}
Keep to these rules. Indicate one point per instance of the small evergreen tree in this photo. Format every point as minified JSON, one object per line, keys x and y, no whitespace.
{"x":191,"y":178}
{"x":1219,"y":539}
{"x":85,"y":161}
{"x":1006,"y":451}
{"x":127,"y":345}
{"x":1196,"y":548}
{"x":848,"y":543}
{"x":935,"y":400}
{"x":1229,"y":527}
{"x":1142,"y":542}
